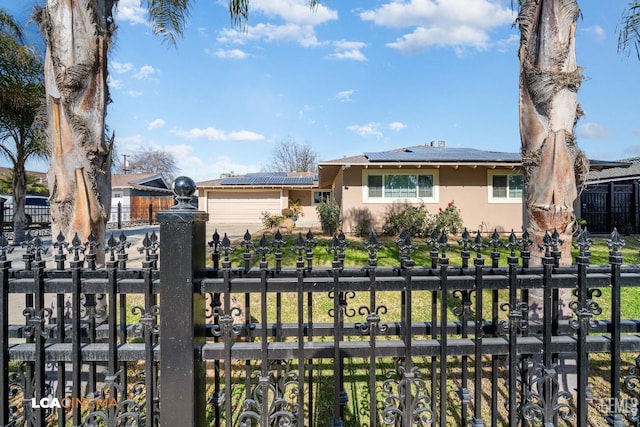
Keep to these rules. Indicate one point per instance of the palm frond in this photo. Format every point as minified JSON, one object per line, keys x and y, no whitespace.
{"x":629,"y":35}
{"x":168,"y":18}
{"x":9,"y":26}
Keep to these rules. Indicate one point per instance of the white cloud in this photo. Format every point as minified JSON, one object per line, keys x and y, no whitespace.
{"x":292,"y":21}
{"x":131,"y":11}
{"x":130,"y":141}
{"x":145,"y":72}
{"x":303,"y":35}
{"x":348,"y":50}
{"x":449,"y":23}
{"x":295,"y":11}
{"x":370,"y":129}
{"x":154,"y":124}
{"x":213,"y":134}
{"x":113,"y":83}
{"x":231,"y":54}
{"x":120,"y":68}
{"x":204,"y":32}
{"x":592,"y":131}
{"x":344,"y":95}
{"x":597,"y":32}
{"x":134,"y":93}
{"x":397,"y":126}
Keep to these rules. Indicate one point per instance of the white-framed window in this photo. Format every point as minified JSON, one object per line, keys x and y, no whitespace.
{"x":322,"y":196}
{"x":116,"y":195}
{"x":505,"y":186}
{"x":401,"y":185}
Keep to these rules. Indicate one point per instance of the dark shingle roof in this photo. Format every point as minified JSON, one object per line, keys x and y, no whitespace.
{"x":623,"y":170}
{"x":426,"y":153}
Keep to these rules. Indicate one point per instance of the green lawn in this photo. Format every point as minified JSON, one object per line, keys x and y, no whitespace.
{"x":388,"y":255}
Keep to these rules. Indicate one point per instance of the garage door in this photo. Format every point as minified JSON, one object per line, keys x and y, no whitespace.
{"x":242,"y":207}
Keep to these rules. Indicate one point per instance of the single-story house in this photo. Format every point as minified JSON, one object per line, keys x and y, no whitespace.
{"x":486,"y":186}
{"x":244,"y":199}
{"x":135,"y":192}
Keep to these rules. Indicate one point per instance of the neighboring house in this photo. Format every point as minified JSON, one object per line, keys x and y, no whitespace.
{"x":243,"y":199}
{"x":136,"y":192}
{"x":611,"y":198}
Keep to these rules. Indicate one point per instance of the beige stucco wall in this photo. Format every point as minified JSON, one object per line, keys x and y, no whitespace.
{"x":309,"y":216}
{"x":466,"y":186}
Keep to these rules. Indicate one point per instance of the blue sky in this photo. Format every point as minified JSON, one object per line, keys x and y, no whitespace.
{"x":353,"y":76}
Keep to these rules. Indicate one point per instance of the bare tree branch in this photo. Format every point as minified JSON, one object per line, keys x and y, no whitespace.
{"x":292,"y":156}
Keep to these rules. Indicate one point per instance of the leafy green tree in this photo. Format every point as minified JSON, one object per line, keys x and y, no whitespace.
{"x":22,"y":95}
{"x":34,"y":185}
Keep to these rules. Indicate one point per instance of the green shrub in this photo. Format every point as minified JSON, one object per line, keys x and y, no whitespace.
{"x":448,"y":220}
{"x":362,"y":222}
{"x":329,"y":213}
{"x":414,"y":219}
{"x":271,"y":221}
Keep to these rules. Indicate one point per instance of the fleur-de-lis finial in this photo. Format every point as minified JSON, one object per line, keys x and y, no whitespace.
{"x":583,"y":242}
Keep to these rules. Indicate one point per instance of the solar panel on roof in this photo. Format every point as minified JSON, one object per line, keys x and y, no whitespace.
{"x":267,"y":179}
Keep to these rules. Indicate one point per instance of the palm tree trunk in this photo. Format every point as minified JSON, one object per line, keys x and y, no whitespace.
{"x":77,"y":36}
{"x":554,"y":167}
{"x":19,"y":187}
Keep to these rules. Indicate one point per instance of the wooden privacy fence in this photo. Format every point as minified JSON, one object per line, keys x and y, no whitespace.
{"x":181,"y":344}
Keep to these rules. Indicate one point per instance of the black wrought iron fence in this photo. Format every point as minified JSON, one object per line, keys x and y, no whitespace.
{"x":307,"y":345}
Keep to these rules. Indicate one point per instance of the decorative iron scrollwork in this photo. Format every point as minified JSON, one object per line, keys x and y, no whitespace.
{"x":268,"y":405}
{"x":116,"y":408}
{"x":517,"y":314}
{"x":37,"y":322}
{"x":464,"y":307}
{"x":406,"y":395}
{"x":148,"y":322}
{"x":372,"y":321}
{"x":343,"y":298}
{"x":225,"y":327}
{"x":632,"y":384}
{"x":544,"y":400}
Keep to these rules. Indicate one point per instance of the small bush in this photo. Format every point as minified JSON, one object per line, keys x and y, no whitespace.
{"x":362,"y":222}
{"x":329,"y":213}
{"x":448,"y":220}
{"x":413,"y":219}
{"x":287,"y":212}
{"x":271,"y":221}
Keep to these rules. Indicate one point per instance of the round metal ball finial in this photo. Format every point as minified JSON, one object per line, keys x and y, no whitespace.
{"x":184,"y":188}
